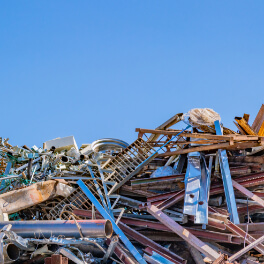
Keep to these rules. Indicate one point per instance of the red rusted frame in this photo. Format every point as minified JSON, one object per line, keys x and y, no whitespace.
{"x":216,"y":236}
{"x":246,"y":181}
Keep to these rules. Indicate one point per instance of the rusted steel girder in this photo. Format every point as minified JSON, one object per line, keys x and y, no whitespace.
{"x":183,"y":233}
{"x":168,"y":199}
{"x":235,"y":229}
{"x":216,"y":236}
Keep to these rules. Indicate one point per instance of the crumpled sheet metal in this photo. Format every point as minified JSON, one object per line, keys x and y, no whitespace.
{"x":14,"y":201}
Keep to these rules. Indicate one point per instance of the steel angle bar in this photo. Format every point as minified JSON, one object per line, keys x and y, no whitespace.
{"x":180,"y":163}
{"x":157,"y":259}
{"x":202,"y":209}
{"x":227,"y":180}
{"x":192,"y":184}
{"x":183,"y":233}
{"x":246,"y":249}
{"x":247,"y":237}
{"x":117,"y":230}
{"x":111,"y":249}
{"x":248,"y":193}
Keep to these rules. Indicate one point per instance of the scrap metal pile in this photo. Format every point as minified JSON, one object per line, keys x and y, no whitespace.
{"x":193,"y":195}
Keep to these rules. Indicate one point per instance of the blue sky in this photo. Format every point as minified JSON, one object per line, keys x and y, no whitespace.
{"x":96,"y":69}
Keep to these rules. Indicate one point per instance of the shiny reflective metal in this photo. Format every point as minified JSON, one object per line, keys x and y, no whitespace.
{"x":40,"y":229}
{"x":105,"y":144}
{"x":11,"y":253}
{"x":192,"y":184}
{"x":202,"y":209}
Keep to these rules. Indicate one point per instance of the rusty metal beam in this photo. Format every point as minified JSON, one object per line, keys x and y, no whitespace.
{"x":248,"y":193}
{"x":182,"y":232}
{"x":235,"y":229}
{"x":171,"y":198}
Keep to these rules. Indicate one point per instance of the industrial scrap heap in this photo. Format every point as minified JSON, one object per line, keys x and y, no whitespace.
{"x":189,"y":195}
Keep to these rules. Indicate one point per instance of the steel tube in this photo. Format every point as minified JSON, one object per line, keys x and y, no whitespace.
{"x":11,"y":253}
{"x":41,"y":229}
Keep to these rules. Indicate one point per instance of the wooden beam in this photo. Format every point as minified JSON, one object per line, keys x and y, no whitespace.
{"x":245,"y":126}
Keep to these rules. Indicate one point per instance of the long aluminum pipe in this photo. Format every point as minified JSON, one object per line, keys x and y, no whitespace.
{"x":41,"y":229}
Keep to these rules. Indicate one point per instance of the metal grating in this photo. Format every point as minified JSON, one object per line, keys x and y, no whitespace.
{"x":125,"y":164}
{"x":78,"y":200}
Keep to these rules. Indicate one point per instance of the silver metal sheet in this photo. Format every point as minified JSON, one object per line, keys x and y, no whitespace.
{"x":192,"y":184}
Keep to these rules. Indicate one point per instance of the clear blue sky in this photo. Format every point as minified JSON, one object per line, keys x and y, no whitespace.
{"x":96,"y":69}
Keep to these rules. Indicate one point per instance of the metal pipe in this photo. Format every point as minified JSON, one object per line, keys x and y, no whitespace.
{"x":45,"y":229}
{"x":11,"y":253}
{"x":64,"y":158}
{"x":117,"y":230}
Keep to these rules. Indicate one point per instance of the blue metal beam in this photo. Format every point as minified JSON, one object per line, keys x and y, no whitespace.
{"x":105,"y":215}
{"x":227,"y":180}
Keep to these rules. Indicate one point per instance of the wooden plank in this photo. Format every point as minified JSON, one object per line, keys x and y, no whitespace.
{"x":246,"y":117}
{"x":261,"y":130}
{"x":245,"y":126}
{"x":240,"y":128}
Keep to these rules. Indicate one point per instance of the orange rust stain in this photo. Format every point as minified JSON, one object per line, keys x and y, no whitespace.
{"x":36,"y":196}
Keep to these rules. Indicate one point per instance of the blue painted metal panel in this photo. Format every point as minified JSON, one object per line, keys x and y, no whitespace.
{"x":202,"y":210}
{"x":192,"y":184}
